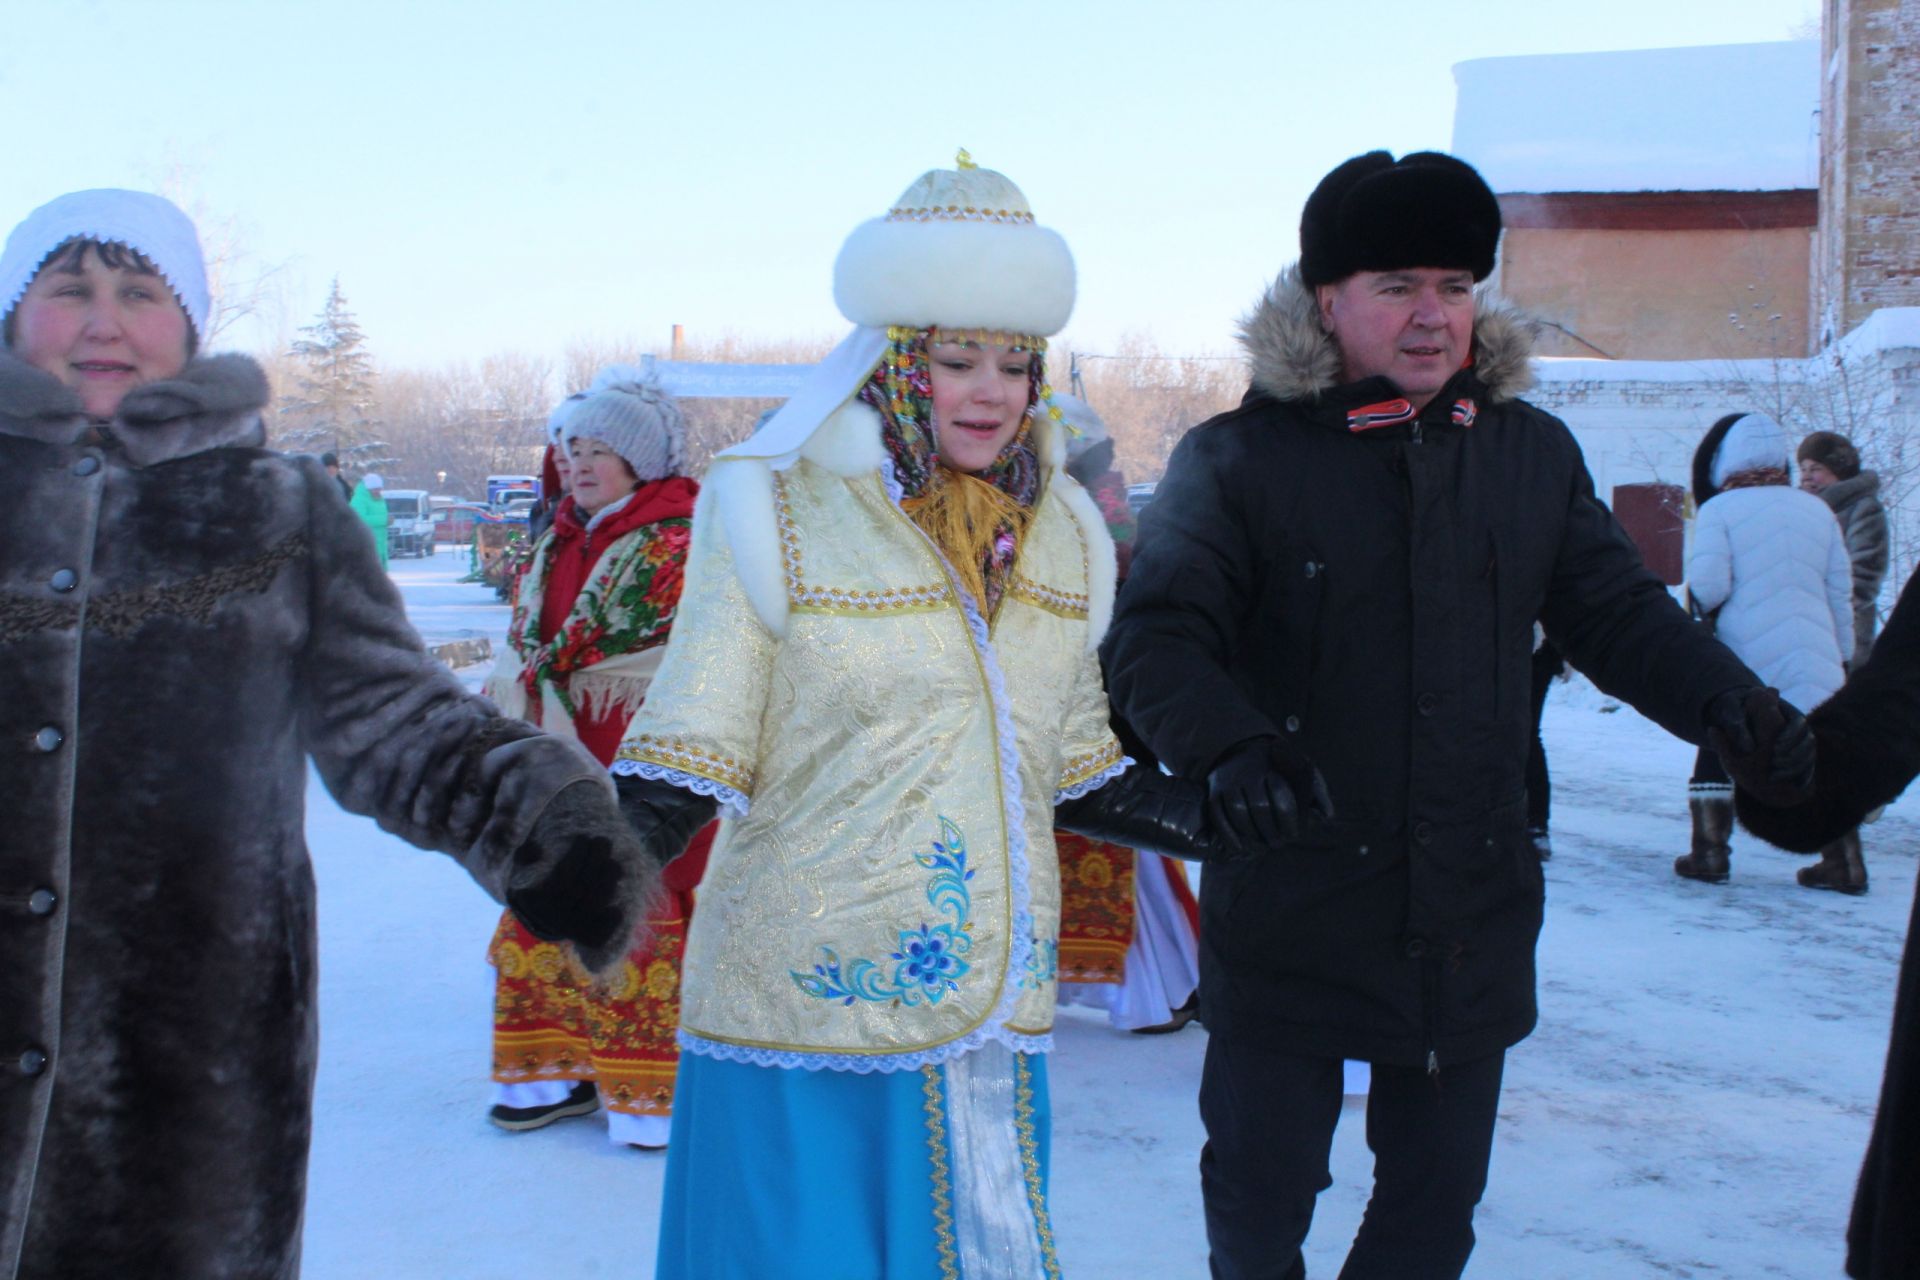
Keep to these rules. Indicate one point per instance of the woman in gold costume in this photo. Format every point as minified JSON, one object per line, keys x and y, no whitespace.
{"x":884,"y":674}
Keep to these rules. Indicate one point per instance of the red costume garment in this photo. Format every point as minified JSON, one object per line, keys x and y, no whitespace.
{"x":547,"y":1024}
{"x":1097,"y":880}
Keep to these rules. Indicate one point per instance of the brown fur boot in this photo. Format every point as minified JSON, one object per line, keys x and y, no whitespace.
{"x":1712,"y":828}
{"x":1841,"y":868}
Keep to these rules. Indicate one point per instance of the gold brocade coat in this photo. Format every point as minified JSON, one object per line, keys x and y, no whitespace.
{"x":884,"y":891}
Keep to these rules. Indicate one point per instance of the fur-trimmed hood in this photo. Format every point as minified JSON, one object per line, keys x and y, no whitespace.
{"x":214,"y":402}
{"x":1293,"y":358}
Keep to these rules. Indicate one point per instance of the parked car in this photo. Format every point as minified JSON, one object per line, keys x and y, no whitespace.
{"x":454,"y":519}
{"x":409,"y":523}
{"x":502,"y":489}
{"x":1139,"y":495}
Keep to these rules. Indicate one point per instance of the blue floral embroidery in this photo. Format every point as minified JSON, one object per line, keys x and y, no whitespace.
{"x":931,"y":959}
{"x":1043,"y":963}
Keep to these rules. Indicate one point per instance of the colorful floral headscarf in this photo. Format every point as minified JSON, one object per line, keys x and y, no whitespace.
{"x":976,"y":518}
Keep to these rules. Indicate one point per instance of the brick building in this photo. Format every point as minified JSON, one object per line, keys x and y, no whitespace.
{"x":1709,"y":230}
{"x":1659,"y":203}
{"x":1867,"y":248}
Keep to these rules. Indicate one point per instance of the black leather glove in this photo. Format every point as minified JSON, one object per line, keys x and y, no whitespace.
{"x":1764,"y":742}
{"x":579,"y":874}
{"x":1145,"y":809}
{"x":1257,"y":791}
{"x":664,"y":815}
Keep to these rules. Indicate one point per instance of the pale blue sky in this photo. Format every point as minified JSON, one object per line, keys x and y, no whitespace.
{"x":489,"y":176}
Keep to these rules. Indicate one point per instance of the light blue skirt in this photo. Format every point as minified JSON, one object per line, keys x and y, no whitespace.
{"x":934,"y":1174}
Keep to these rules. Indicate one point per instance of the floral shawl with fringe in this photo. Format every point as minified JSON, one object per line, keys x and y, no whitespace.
{"x":603,"y":656}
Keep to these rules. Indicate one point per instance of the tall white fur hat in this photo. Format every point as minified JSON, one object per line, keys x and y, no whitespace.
{"x":959,"y":249}
{"x":151,"y":224}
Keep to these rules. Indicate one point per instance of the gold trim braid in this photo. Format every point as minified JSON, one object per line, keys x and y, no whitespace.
{"x":1030,"y":1162}
{"x":647,"y":749}
{"x":1092,"y":765}
{"x":979,"y":337}
{"x":942,"y":1177}
{"x":1065,"y":604}
{"x":957,"y":213}
{"x":803,"y":598}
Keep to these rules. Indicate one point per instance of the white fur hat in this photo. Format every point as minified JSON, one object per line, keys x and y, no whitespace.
{"x":1753,"y":442}
{"x":373,"y":481}
{"x":636,"y":418}
{"x":148,"y":223}
{"x":960,"y":249}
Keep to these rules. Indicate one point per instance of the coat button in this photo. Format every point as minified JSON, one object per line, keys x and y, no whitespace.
{"x":1423,"y":832}
{"x":1416,"y":947}
{"x":1293,"y":724}
{"x":64,"y":580}
{"x":86,"y":466}
{"x":1426,"y":702}
{"x":32,"y":1062}
{"x":42,"y":901}
{"x":48,"y":739}
{"x":1313,"y":569}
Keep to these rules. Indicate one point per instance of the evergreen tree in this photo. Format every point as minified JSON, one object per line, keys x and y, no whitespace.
{"x":333,"y":404}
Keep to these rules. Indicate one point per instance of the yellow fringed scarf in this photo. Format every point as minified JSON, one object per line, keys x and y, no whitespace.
{"x":963,"y":514}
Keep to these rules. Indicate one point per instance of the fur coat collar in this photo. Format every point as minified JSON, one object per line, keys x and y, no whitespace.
{"x":1842,"y":494}
{"x":1293,"y":358}
{"x":214,"y":402}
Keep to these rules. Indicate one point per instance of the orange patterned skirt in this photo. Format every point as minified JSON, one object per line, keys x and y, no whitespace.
{"x":549,"y":1024}
{"x":1096,"y":909}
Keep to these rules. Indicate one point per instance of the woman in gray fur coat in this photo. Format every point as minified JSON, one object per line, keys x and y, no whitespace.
{"x":1830,"y":468}
{"x":186,"y":616}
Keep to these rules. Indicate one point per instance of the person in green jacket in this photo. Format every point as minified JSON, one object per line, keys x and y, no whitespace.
{"x":370,"y":504}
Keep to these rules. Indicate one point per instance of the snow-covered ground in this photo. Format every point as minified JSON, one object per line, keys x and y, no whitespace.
{"x":1694,"y":1104}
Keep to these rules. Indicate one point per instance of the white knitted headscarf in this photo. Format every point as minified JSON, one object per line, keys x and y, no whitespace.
{"x":139,"y":220}
{"x":635,"y":417}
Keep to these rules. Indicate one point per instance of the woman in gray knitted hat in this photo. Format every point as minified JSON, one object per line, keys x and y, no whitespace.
{"x":590,"y":621}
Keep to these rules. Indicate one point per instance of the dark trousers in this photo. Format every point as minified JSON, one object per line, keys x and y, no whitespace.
{"x":1707,"y":770}
{"x":1547,"y":663}
{"x":1270,"y":1119}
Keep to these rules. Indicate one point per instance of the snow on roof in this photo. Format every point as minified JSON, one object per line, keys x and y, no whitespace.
{"x":1729,"y":117}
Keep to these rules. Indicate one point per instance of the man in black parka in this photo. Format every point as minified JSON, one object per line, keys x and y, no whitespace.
{"x":1330,"y":618}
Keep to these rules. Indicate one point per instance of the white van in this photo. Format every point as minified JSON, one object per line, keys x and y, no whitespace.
{"x":409,"y":523}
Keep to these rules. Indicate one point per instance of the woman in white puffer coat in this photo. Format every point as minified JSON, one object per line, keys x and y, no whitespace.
{"x":1772,"y":570}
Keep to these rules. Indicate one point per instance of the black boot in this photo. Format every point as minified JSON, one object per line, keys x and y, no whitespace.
{"x":1712,"y":828}
{"x":1841,"y":868}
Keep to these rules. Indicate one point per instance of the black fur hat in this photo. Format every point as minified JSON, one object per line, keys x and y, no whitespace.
{"x":1375,"y":213}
